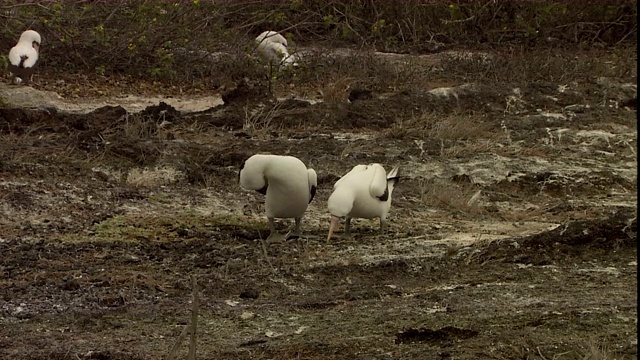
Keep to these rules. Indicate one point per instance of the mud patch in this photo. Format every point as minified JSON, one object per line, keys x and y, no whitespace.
{"x":439,"y":337}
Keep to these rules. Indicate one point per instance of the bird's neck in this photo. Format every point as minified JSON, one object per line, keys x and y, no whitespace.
{"x":341,"y":202}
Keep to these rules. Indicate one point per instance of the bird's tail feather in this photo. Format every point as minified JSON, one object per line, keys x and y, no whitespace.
{"x":393,"y":176}
{"x":394,"y":173}
{"x":23,"y":58}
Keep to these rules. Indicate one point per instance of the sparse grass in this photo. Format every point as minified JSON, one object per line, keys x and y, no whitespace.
{"x":521,"y":66}
{"x":449,"y":135}
{"x":160,"y":197}
{"x":132,"y":229}
{"x":592,"y":349}
{"x":121,"y":229}
{"x":460,"y":198}
{"x":456,"y":127}
{"x":478,"y":248}
{"x":337,"y":89}
{"x":469,"y":147}
{"x":139,"y":126}
{"x":336,"y":73}
{"x":595,"y":349}
{"x":235,"y":220}
{"x":352,"y":148}
{"x":436,"y":126}
{"x":146,"y":177}
{"x":261,"y":119}
{"x":26,"y":149}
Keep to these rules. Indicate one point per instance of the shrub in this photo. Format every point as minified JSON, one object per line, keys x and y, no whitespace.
{"x":182,"y":40}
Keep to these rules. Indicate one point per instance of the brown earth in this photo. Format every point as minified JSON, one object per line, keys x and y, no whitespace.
{"x":512,"y":233}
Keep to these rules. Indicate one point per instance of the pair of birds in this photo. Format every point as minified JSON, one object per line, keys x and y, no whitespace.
{"x":24,"y":56}
{"x":272,"y":47}
{"x":364,"y":192}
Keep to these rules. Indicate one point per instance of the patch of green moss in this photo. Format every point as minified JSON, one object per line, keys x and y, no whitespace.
{"x":132,"y":229}
{"x":120,"y":228}
{"x":235,"y":221}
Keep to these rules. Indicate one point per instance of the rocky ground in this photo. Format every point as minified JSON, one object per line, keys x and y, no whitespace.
{"x":512,"y":232}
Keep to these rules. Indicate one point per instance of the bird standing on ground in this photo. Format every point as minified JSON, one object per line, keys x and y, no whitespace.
{"x":364,"y":192}
{"x":24,"y":56}
{"x":272,"y":47}
{"x":287,"y":184}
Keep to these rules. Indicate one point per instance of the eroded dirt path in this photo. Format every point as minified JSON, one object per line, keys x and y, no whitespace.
{"x":513,"y":231}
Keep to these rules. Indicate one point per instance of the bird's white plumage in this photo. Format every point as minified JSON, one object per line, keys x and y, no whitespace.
{"x":364,"y":192}
{"x":272,"y":47}
{"x":24,"y":56}
{"x":25,"y":47}
{"x":272,"y":36}
{"x":290,"y":186}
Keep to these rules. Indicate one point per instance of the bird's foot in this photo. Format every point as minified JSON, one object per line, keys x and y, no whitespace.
{"x":275,"y":237}
{"x":343,"y":237}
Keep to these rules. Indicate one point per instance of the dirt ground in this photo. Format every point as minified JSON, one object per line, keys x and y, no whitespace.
{"x":512,"y":233}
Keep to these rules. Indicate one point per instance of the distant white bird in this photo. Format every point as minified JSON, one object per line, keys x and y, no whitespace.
{"x":272,"y":47}
{"x":24,"y":56}
{"x":272,"y":36}
{"x":287,"y":183}
{"x":364,"y":192}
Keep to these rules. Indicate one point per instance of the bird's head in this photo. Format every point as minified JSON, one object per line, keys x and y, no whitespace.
{"x":340,"y":204}
{"x":32,"y":37}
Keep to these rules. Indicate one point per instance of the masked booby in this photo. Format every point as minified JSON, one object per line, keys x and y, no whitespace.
{"x":364,"y":192}
{"x":272,"y":47}
{"x":24,"y":56}
{"x":287,"y":184}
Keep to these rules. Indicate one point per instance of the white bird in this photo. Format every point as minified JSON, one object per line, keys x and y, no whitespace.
{"x":272,"y":36}
{"x":287,"y":183}
{"x":364,"y":192}
{"x":24,"y":56}
{"x":272,"y":47}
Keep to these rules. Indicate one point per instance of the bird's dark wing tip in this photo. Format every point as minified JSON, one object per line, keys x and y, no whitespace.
{"x":313,"y":193}
{"x":385,"y":195}
{"x":263,"y":190}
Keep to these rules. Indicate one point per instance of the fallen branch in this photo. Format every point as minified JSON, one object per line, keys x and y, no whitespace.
{"x":194,"y":319}
{"x":447,"y":22}
{"x":192,"y":328}
{"x":176,"y":345}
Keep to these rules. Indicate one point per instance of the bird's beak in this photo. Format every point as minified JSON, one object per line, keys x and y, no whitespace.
{"x":334,"y":224}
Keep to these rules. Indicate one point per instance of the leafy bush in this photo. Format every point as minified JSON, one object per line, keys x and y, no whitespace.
{"x":182,"y":40}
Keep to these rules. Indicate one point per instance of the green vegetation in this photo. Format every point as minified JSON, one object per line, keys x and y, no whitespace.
{"x":175,"y":40}
{"x":131,"y":229}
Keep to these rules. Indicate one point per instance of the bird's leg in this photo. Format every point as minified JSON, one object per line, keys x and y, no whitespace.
{"x":274,"y":236}
{"x":382,"y":226}
{"x":272,"y":224}
{"x":347,"y":226}
{"x":297,"y":232}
